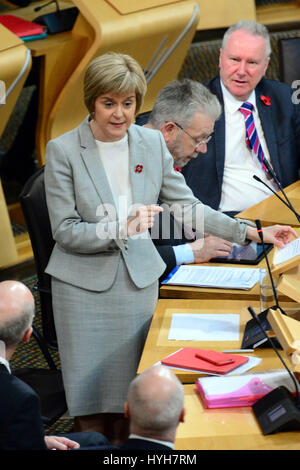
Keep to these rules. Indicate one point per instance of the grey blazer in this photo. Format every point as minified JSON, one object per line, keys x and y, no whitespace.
{"x":89,"y":240}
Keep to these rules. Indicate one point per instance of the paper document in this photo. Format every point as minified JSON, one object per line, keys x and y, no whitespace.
{"x":214,"y":276}
{"x":205,"y":327}
{"x":290,"y":250}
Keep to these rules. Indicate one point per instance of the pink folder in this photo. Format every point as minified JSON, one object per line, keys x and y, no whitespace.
{"x":243,"y":390}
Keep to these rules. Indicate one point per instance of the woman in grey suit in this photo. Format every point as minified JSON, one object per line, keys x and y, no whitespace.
{"x":103,"y":180}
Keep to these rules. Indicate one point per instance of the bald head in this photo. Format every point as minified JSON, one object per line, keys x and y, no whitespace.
{"x":16,"y":312}
{"x":156,"y":402}
{"x":13,"y":295}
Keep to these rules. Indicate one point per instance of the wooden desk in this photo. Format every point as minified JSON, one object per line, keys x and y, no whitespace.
{"x":272,"y":211}
{"x":158,"y":346}
{"x":226,"y":429}
{"x":58,"y":52}
{"x":160,"y":32}
{"x":15,"y":64}
{"x":223,"y":13}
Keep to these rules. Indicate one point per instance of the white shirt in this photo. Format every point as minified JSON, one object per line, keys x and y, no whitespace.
{"x":158,"y":441}
{"x":115,"y":159}
{"x":239,"y":189}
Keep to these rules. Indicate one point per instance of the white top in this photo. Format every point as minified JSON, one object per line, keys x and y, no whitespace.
{"x":115,"y":159}
{"x":239,"y":189}
{"x":158,"y":441}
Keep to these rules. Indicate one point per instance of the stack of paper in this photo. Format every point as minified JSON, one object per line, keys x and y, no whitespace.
{"x":209,"y":276}
{"x":290,"y":250}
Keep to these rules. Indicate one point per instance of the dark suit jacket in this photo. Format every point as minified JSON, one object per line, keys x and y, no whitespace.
{"x":281,"y":125}
{"x":21,"y":425}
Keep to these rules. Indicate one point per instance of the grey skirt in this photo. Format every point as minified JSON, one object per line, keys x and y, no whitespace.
{"x":100,"y":339}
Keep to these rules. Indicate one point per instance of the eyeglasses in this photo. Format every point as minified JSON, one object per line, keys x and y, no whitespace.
{"x":197,"y":142}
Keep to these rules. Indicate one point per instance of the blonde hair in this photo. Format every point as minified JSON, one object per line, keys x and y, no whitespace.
{"x":113,"y":73}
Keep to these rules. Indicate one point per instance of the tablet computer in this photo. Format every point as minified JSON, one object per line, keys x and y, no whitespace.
{"x":244,"y":254}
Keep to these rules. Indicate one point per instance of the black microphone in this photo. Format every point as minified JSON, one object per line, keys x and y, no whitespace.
{"x":288,"y":203}
{"x":278,"y":410}
{"x":46,"y":4}
{"x":271,"y":172}
{"x":58,"y":21}
{"x":260,"y":234}
{"x":252,"y":335}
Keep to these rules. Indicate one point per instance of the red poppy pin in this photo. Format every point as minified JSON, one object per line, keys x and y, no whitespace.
{"x":177,"y":168}
{"x":266,"y":100}
{"x":139,"y":169}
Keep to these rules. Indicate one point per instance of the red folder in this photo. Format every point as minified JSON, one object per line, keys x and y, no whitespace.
{"x":21,"y":27}
{"x":186,"y":358}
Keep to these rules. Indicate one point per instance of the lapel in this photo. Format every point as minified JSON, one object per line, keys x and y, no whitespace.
{"x":265,"y":115}
{"x":3,"y":369}
{"x":219,"y":133}
{"x":137,"y":156}
{"x":94,"y":166}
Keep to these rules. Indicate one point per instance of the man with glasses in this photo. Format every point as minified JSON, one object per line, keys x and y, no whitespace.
{"x":263,"y":109}
{"x":185,"y":112}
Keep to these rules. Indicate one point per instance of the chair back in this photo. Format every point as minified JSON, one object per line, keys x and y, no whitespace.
{"x":34,"y":206}
{"x":288,"y":56}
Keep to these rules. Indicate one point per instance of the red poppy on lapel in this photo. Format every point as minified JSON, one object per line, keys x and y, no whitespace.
{"x":139,"y":169}
{"x":177,"y":168}
{"x":266,"y":100}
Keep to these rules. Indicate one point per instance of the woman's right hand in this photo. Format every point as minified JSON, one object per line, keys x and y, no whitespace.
{"x":143,"y":219}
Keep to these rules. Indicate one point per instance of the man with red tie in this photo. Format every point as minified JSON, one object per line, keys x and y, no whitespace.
{"x":258,"y":132}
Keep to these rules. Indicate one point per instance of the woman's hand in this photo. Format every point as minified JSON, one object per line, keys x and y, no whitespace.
{"x":143,"y":219}
{"x":279,"y":235}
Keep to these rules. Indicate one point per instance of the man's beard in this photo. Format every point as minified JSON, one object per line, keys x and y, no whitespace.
{"x":175,"y":150}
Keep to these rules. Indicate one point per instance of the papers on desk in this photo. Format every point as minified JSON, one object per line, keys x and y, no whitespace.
{"x":204,"y":327}
{"x":240,"y":390}
{"x":213,"y":276}
{"x":290,"y":250}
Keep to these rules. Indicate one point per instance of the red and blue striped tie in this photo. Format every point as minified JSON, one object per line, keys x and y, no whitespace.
{"x":252,"y":139}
